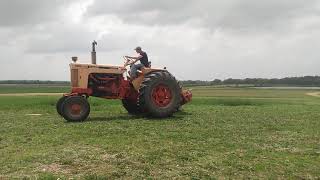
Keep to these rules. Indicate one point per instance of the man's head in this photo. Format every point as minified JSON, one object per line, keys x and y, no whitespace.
{"x":138,"y":49}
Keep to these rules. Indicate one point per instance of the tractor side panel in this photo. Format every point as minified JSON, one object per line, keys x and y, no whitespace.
{"x":80,"y":73}
{"x":84,"y":74}
{"x":106,"y":85}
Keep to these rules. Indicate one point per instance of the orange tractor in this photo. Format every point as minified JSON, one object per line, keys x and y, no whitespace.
{"x":155,"y":92}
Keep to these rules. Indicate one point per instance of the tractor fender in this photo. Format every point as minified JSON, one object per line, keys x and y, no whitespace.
{"x":144,"y":71}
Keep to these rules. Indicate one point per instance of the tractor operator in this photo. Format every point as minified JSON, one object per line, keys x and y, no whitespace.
{"x":144,"y":62}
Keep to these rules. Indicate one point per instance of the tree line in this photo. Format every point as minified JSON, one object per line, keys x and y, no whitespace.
{"x":288,"y":81}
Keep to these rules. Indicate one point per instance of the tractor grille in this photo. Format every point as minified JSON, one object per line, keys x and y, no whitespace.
{"x":74,"y":78}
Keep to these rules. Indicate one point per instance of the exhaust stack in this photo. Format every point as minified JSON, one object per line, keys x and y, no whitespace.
{"x":93,"y":53}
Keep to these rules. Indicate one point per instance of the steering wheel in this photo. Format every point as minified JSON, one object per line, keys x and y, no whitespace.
{"x":127,"y":62}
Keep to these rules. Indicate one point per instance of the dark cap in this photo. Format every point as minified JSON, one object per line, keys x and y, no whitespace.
{"x":138,"y":48}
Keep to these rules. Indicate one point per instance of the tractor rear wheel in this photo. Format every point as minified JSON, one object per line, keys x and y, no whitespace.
{"x":75,"y":108}
{"x":59,"y":104}
{"x":131,"y":106}
{"x":160,"y":94}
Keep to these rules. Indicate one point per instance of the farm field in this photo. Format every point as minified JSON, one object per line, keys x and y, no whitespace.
{"x":223,"y":133}
{"x":35,"y":88}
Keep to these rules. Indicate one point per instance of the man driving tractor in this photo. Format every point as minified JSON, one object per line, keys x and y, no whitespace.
{"x":155,"y":93}
{"x":144,"y":62}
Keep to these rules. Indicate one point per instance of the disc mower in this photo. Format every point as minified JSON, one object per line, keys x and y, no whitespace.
{"x":155,"y":92}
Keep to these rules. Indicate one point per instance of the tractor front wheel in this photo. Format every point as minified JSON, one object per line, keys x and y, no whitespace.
{"x":75,"y":108}
{"x":59,"y":104}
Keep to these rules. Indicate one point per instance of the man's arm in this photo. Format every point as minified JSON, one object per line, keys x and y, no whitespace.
{"x":135,"y":58}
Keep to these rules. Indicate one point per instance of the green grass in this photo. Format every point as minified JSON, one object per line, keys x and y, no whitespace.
{"x":208,"y":91}
{"x":223,"y":133}
{"x":21,"y":88}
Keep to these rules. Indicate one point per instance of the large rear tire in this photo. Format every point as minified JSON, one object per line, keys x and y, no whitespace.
{"x":75,"y":108}
{"x":160,"y":94}
{"x":131,"y":106}
{"x":59,"y":104}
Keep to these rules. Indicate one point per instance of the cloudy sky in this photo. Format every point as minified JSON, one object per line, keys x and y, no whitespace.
{"x":194,"y":39}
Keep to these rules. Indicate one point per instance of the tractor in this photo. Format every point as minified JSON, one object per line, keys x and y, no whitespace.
{"x":154,"y":93}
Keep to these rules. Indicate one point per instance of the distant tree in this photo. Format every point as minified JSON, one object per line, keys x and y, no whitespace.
{"x":288,"y":81}
{"x":216,"y":82}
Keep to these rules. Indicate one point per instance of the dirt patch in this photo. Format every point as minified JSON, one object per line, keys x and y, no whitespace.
{"x":33,"y":114}
{"x":32,"y":94}
{"x":54,"y":168}
{"x":107,"y":157}
{"x":314,"y":94}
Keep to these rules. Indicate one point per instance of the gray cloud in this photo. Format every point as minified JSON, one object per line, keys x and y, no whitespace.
{"x":70,"y":38}
{"x":22,"y":12}
{"x":195,"y":39}
{"x":229,"y":14}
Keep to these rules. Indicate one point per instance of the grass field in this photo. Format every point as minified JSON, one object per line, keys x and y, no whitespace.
{"x":21,"y":88}
{"x":223,"y":133}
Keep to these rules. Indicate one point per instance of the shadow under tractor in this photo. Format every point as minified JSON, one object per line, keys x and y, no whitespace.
{"x":155,"y":92}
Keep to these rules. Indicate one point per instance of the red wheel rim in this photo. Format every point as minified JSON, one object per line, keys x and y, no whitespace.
{"x":161,"y":95}
{"x":75,"y":109}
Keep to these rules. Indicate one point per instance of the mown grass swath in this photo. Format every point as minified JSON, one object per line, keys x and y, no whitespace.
{"x":224,"y":132}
